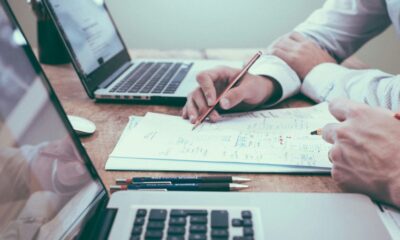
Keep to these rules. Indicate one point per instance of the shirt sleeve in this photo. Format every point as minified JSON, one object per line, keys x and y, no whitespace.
{"x":373,"y":87}
{"x":277,"y":69}
{"x":341,"y":27}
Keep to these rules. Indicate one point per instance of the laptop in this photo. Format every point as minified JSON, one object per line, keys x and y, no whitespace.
{"x":50,"y":189}
{"x":102,"y":61}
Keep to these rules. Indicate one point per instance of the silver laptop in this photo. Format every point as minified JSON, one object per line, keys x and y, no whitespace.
{"x":103,"y":64}
{"x":51,"y":190}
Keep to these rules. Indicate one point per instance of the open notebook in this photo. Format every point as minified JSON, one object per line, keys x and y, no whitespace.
{"x":262,"y":141}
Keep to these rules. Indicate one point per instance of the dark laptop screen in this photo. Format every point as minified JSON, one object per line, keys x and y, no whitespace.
{"x":45,"y":184}
{"x":89,"y":31}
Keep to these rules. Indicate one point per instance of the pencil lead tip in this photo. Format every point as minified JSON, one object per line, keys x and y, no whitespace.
{"x":316,"y":132}
{"x":240,"y":179}
{"x":235,"y":186}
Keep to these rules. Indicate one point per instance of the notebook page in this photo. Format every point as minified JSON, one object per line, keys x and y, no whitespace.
{"x":269,"y":137}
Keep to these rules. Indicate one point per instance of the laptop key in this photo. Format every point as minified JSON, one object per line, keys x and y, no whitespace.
{"x":153,"y":235}
{"x":157,"y":215}
{"x":196,"y":212}
{"x":175,"y":237}
{"x":242,"y":238}
{"x":176,"y":230}
{"x":246,"y":214}
{"x":237,"y":222}
{"x":219,"y":219}
{"x":219,"y":233}
{"x":155,"y":225}
{"x":141,"y":213}
{"x":198,"y":220}
{"x":177,"y":221}
{"x":196,"y":228}
{"x":139,"y":221}
{"x":135,"y":237}
{"x":247,"y":231}
{"x":178,"y":213}
{"x":137,"y":231}
{"x":247,"y":223}
{"x":197,"y":237}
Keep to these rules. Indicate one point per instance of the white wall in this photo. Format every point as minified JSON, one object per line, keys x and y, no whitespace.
{"x":177,"y":24}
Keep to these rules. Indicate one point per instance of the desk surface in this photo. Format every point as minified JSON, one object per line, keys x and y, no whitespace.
{"x":111,"y":119}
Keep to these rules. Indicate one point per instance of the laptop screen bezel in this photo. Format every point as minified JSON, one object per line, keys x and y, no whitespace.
{"x":93,"y":80}
{"x":102,"y":194}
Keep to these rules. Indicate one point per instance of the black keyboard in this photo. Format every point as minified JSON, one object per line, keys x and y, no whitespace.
{"x":151,"y":77}
{"x":192,"y":224}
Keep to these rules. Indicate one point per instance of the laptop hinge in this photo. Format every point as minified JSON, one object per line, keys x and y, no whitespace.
{"x":107,"y":223}
{"x":115,"y":75}
{"x":101,"y":218}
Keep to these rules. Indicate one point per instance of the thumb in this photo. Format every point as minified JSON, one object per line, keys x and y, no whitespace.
{"x":329,"y":132}
{"x":232,"y":98}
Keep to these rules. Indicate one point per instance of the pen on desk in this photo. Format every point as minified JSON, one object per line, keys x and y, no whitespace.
{"x":319,"y":130}
{"x":201,"y":118}
{"x":192,"y":179}
{"x":181,"y":187}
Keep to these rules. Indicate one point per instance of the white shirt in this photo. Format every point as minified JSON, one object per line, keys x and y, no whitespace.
{"x":341,"y":27}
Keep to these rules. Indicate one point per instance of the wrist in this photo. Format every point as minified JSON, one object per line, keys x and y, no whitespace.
{"x":274,"y":90}
{"x":394,"y":189}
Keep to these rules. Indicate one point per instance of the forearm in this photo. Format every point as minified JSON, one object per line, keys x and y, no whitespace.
{"x":373,"y":87}
{"x":342,"y":27}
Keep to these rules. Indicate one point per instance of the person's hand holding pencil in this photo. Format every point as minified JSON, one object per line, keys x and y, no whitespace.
{"x":249,"y":92}
{"x":365,"y":152}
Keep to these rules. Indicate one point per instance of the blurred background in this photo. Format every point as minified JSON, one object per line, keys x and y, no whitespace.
{"x":199,"y":24}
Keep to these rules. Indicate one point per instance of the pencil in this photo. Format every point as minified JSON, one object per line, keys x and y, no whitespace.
{"x":319,"y":130}
{"x":231,"y":85}
{"x":316,"y":132}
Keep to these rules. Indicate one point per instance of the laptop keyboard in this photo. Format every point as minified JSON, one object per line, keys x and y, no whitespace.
{"x":151,"y":77}
{"x":193,"y":224}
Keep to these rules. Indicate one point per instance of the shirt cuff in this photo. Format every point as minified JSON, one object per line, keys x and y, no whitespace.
{"x":321,"y":82}
{"x":275,"y":68}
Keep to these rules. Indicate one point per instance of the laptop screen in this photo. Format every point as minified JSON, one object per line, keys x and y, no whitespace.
{"x":89,"y":33}
{"x":46,"y":181}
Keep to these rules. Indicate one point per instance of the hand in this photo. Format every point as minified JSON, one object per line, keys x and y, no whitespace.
{"x":300,"y":53}
{"x":365,"y":152}
{"x":251,"y":91}
{"x":58,"y":167}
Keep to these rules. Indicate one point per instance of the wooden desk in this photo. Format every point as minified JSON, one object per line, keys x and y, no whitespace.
{"x":110,"y":120}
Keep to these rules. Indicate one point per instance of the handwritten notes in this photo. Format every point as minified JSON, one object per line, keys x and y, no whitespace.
{"x":278,"y":137}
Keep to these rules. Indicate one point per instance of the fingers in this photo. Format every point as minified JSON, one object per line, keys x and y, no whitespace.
{"x":335,"y":154}
{"x":196,"y":105}
{"x":329,"y":132}
{"x":280,"y":53}
{"x":206,"y":82}
{"x":214,"y":116}
{"x":208,"y":78}
{"x":298,"y":37}
{"x":232,"y":98}
{"x":184,"y":113}
{"x":343,"y":108}
{"x":286,"y":44}
{"x":338,"y":108}
{"x":192,"y":111}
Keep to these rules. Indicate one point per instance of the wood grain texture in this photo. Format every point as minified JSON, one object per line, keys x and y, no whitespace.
{"x":111,"y":118}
